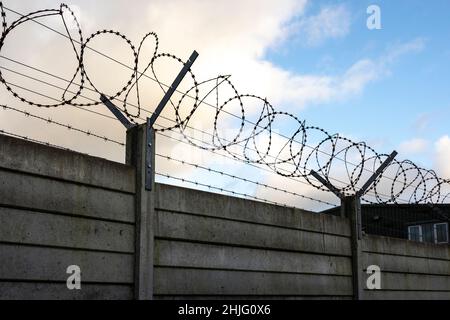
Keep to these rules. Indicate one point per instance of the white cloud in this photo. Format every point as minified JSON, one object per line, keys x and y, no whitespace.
{"x":331,"y":22}
{"x":413,"y":146}
{"x":442,"y":156}
{"x":300,"y":90}
{"x":398,"y":50}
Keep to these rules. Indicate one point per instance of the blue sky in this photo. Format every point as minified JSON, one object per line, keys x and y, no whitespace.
{"x":411,"y":102}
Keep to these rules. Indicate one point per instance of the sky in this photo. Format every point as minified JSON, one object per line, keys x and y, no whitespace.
{"x":315,"y":59}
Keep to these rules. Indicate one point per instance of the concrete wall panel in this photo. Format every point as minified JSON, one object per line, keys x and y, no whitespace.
{"x":200,"y":255}
{"x":50,"y":264}
{"x":207,"y":229}
{"x":26,"y":191}
{"x":175,"y":199}
{"x":23,"y":227}
{"x":30,"y":157}
{"x":59,"y":291}
{"x":178,"y":281}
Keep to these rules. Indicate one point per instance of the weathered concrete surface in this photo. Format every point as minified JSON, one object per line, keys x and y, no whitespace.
{"x":213,"y":230}
{"x":207,"y":282}
{"x":406,"y":295}
{"x":30,"y":157}
{"x":59,"y":208}
{"x":399,"y":263}
{"x":246,"y":297}
{"x":171,"y":198}
{"x":59,"y":291}
{"x":409,"y":270}
{"x":201,"y":255}
{"x":395,"y":246}
{"x":50,"y":264}
{"x":46,"y":194}
{"x":19,"y":226}
{"x":212,"y":245}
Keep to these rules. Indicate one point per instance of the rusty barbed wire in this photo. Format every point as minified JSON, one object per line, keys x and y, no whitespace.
{"x":305,"y":148}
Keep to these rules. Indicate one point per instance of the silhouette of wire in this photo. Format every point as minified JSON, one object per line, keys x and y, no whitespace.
{"x":120,"y":143}
{"x":234,"y":193}
{"x":201,"y":141}
{"x":259,"y":184}
{"x":67,"y":126}
{"x":141,"y":118}
{"x":293,"y":158}
{"x":216,"y":152}
{"x":178,"y":140}
{"x":38,"y":141}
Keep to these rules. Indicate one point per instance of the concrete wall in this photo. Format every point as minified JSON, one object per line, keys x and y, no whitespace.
{"x":409,"y":270}
{"x":214,"y":246}
{"x":60,"y":208}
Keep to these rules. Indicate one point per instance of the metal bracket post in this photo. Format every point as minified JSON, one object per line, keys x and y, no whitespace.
{"x":327,"y":184}
{"x":366,"y":185}
{"x":116,"y":112}
{"x":351,"y":209}
{"x":172,"y":88}
{"x":376,"y":174}
{"x":149,"y":166}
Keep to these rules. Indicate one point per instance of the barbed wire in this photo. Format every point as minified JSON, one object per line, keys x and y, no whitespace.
{"x":216,"y":152}
{"x":166,"y":118}
{"x":178,"y":140}
{"x":293,"y":158}
{"x":26,"y":138}
{"x":28,"y":114}
{"x":150,"y":112}
{"x":112,"y":118}
{"x":67,"y":126}
{"x":229,"y":113}
{"x":259,"y":184}
{"x":162,"y":84}
{"x":234,"y":193}
{"x":70,"y":127}
{"x":58,"y":87}
{"x":51,"y":98}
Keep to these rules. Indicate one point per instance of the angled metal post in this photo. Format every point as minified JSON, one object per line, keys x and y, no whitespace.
{"x":327,"y":184}
{"x":351,"y":209}
{"x":172,"y":88}
{"x":115,"y":111}
{"x":376,"y":174}
{"x":149,"y":165}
